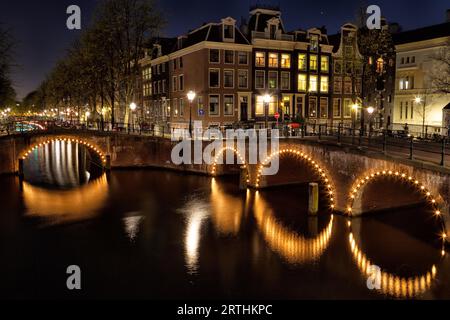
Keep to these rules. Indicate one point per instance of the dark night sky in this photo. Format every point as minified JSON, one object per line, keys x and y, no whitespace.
{"x":42,"y":37}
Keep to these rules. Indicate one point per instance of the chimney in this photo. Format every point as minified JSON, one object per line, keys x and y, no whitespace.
{"x":447,"y":18}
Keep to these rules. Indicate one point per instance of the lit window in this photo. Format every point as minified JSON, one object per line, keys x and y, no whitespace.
{"x":302,"y":82}
{"x":313,"y":62}
{"x":313,"y":83}
{"x":324,"y":84}
{"x":324,"y":63}
{"x":347,"y":108}
{"x":302,"y":61}
{"x":273,"y":60}
{"x":260,"y":106}
{"x":260,"y":59}
{"x":285,"y":60}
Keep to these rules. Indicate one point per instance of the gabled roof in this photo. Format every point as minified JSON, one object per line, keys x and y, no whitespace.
{"x":211,"y":32}
{"x":258,"y":21}
{"x":422,"y":34}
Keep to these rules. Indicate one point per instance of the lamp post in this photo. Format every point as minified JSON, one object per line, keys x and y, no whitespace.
{"x":133,"y":107}
{"x":370,"y":111}
{"x":266,"y":99}
{"x":87,"y":114}
{"x":419,"y":100}
{"x":191,"y":96}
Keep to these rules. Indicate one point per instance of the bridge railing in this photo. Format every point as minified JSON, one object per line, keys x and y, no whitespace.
{"x":431,"y":149}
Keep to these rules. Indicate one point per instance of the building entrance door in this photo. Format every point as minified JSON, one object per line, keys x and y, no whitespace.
{"x":244,"y":107}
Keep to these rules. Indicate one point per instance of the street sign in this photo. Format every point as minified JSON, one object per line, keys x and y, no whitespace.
{"x":201,"y":112}
{"x":277,"y":116}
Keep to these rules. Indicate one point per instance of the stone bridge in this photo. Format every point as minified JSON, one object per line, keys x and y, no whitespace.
{"x":346,"y":174}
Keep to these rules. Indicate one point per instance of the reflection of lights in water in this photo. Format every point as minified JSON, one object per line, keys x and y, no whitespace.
{"x":132,"y":224}
{"x":391,"y":284}
{"x":61,"y":206}
{"x":196,"y":212}
{"x":289,"y":244}
{"x":226,"y":210}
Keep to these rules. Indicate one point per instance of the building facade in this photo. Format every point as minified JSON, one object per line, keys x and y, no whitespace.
{"x":417,"y":104}
{"x":214,"y":61}
{"x":257,"y":75}
{"x":292,"y":68}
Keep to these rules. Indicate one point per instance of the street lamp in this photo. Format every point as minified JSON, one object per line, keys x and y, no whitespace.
{"x":267,"y":98}
{"x":355,"y":108}
{"x":191,"y":96}
{"x":133,"y":107}
{"x":370,"y":111}
{"x":419,"y":100}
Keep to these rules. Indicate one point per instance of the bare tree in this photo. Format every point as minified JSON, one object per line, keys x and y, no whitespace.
{"x":7,"y":92}
{"x":440,"y":73}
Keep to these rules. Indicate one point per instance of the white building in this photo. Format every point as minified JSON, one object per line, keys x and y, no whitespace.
{"x":416,"y":102}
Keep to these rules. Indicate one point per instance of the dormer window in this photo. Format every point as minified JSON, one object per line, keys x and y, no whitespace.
{"x":272,"y":27}
{"x":181,"y":41}
{"x":273,"y":31}
{"x":228,"y":29}
{"x":314,"y":43}
{"x":228,"y":32}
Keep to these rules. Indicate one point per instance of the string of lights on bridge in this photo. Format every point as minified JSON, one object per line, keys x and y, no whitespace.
{"x":359,"y":183}
{"x":306,"y":158}
{"x":68,"y":140}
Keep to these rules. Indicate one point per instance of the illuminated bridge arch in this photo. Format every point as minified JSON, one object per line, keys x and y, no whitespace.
{"x":310,"y":162}
{"x":25,"y":154}
{"x":357,"y":190}
{"x":238,"y":155}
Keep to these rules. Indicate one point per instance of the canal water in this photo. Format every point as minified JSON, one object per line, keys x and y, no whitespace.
{"x":160,"y":234}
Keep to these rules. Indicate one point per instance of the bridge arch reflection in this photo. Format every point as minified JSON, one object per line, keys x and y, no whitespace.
{"x":290,"y":245}
{"x":390,"y":283}
{"x":64,"y":206}
{"x":355,"y":195}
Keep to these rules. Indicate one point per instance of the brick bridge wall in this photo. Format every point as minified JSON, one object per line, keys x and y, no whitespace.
{"x":342,"y":165}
